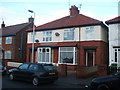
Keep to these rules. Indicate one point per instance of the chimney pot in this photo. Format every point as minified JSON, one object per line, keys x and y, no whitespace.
{"x":31,"y":20}
{"x":2,"y":25}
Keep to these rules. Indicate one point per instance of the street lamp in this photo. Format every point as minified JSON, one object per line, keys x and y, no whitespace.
{"x":32,"y":57}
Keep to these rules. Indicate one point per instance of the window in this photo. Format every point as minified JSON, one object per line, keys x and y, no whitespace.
{"x":24,"y":66}
{"x":116,"y":54}
{"x":89,"y":33}
{"x":47,"y":67}
{"x":69,"y":34}
{"x":44,"y":54}
{"x":47,"y":36}
{"x":8,"y":40}
{"x":8,"y":55}
{"x":67,"y":55}
{"x":33,"y":67}
{"x":0,"y":41}
{"x":32,"y":36}
{"x":1,"y":54}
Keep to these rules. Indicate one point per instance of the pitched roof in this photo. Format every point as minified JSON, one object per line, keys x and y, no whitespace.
{"x":10,"y":30}
{"x":69,"y":21}
{"x":114,"y":20}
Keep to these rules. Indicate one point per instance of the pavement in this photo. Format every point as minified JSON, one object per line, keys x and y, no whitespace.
{"x":72,"y":79}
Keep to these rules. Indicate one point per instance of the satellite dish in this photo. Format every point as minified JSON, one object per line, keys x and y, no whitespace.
{"x":37,"y":41}
{"x":57,"y":34}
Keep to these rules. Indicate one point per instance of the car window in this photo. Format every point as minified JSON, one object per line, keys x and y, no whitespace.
{"x":118,"y":73}
{"x":24,"y":66}
{"x":33,"y":67}
{"x":47,"y":67}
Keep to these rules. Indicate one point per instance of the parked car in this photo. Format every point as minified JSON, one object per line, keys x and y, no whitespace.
{"x":2,"y":68}
{"x":34,"y":72}
{"x":110,"y":82}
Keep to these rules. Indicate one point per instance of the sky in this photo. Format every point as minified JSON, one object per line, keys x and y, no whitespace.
{"x":16,"y":11}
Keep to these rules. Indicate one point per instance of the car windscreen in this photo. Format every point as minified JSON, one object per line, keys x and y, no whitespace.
{"x":48,"y":68}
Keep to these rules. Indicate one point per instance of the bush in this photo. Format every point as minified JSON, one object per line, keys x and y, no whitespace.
{"x":113,"y":68}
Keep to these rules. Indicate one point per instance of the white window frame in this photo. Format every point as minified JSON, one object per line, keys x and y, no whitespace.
{"x":47,"y":36}
{"x":117,"y":51}
{"x":8,"y":40}
{"x":32,"y":36}
{"x":74,"y":56}
{"x":67,"y":32}
{"x":39,"y":50}
{"x":8,"y":54}
{"x":89,"y":33}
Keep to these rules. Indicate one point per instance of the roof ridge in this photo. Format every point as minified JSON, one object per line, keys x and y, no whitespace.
{"x":69,"y":21}
{"x":16,"y":24}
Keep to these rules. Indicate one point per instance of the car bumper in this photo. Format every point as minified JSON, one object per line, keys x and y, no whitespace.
{"x":47,"y":79}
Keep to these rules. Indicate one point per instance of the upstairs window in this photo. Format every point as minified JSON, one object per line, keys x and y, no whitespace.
{"x":89,"y":33}
{"x":8,"y":40}
{"x":47,"y":36}
{"x":69,"y":34}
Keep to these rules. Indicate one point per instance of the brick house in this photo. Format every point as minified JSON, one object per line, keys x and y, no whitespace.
{"x":75,"y":40}
{"x":114,"y":41}
{"x":13,"y":41}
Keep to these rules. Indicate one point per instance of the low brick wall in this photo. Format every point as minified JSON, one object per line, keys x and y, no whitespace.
{"x":98,"y":70}
{"x":12,"y":64}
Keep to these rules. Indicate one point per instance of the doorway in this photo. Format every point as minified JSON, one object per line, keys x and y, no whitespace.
{"x":90,"y":58}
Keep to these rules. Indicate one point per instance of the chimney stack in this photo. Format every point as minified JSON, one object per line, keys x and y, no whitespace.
{"x":2,"y":25}
{"x":74,"y":11}
{"x":31,"y":20}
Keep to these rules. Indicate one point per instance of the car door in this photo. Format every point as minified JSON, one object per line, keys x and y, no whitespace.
{"x":33,"y":69}
{"x":116,"y":81}
{"x":22,"y":71}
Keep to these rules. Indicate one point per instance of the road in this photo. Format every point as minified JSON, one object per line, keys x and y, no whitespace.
{"x":6,"y":83}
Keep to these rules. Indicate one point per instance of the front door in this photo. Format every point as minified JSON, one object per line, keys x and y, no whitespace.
{"x":90,"y":58}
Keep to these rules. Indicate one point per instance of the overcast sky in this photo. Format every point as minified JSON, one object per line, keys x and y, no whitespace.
{"x":16,"y":11}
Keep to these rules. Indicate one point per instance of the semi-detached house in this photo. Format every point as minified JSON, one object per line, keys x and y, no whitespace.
{"x":114,"y":41}
{"x":76,"y":40}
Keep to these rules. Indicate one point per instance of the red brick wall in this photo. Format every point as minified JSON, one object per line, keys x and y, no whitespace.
{"x":101,"y":54}
{"x":55,"y":55}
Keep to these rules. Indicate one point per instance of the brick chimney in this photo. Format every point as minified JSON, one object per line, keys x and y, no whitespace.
{"x":2,"y":25}
{"x":31,"y":20}
{"x":74,"y":10}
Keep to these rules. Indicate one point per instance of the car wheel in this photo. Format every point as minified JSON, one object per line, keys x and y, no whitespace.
{"x":35,"y":81}
{"x":11,"y":77}
{"x":103,"y":87}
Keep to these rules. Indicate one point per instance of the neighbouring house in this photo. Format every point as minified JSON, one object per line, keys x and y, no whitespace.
{"x":78,"y":41}
{"x":13,"y":41}
{"x":114,"y":41}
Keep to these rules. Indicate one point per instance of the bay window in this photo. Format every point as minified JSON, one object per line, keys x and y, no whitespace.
{"x":67,"y":55}
{"x":44,"y":54}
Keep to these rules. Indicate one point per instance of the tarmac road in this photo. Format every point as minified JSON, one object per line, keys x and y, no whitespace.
{"x":61,"y":83}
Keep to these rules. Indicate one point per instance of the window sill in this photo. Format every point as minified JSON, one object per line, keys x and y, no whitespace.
{"x":67,"y":63}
